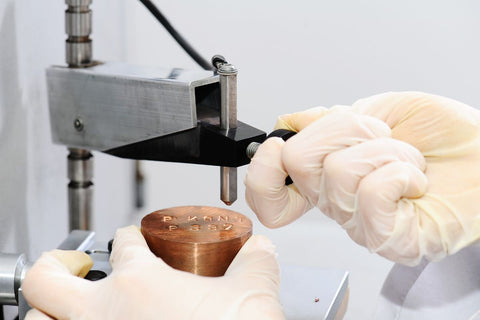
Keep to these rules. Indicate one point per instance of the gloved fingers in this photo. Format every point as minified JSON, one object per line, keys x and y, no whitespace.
{"x":53,"y":273}
{"x":343,"y":170}
{"x":129,"y":246}
{"x":304,"y":153}
{"x":396,"y":107}
{"x":34,"y":314}
{"x":250,"y":287}
{"x":382,"y":198}
{"x":299,"y":120}
{"x":436,"y":125}
{"x":257,"y":258}
{"x":78,"y":263}
{"x":273,"y":202}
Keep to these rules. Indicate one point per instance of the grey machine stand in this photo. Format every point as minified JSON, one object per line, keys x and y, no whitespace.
{"x":145,"y":113}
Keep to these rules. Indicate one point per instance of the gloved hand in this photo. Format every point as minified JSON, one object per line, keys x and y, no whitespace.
{"x":400,"y":172}
{"x":142,"y":286}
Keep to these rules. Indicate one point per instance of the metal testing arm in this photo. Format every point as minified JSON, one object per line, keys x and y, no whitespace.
{"x":147,"y":113}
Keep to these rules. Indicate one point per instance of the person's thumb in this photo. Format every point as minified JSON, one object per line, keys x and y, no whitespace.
{"x":54,"y":284}
{"x":256,"y":268}
{"x":129,"y":246}
{"x":257,"y":258}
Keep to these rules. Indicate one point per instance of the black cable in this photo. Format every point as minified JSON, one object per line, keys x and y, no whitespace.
{"x":174,"y":33}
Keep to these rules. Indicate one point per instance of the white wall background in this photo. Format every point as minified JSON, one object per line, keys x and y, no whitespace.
{"x":290,"y":56}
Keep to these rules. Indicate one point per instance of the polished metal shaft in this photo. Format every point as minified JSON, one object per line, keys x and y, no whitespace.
{"x":228,"y":120}
{"x":78,"y":54}
{"x":13,"y":268}
{"x":80,"y":188}
{"x":78,"y":26}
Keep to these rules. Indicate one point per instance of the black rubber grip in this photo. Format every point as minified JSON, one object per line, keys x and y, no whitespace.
{"x":110,"y":246}
{"x":282,"y":133}
{"x":94,"y":275}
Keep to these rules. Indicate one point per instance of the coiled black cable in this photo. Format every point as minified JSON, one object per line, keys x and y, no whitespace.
{"x":174,"y":33}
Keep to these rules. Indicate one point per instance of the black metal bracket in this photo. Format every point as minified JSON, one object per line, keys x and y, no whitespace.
{"x":205,"y":144}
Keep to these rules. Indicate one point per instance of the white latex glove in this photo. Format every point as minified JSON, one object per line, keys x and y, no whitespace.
{"x":400,"y":172}
{"x":142,"y":286}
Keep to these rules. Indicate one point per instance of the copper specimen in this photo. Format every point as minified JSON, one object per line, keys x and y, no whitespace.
{"x":200,"y":240}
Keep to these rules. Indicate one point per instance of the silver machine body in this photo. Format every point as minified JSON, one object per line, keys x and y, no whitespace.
{"x":146,"y":113}
{"x":114,"y":104}
{"x":134,"y":112}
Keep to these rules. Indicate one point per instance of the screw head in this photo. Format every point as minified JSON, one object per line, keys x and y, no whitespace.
{"x":227,"y":69}
{"x":78,"y":124}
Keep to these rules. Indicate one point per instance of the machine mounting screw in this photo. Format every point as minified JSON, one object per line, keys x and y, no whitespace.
{"x":78,"y":124}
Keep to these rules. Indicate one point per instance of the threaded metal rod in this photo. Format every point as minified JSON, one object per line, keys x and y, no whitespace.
{"x":252,"y":149}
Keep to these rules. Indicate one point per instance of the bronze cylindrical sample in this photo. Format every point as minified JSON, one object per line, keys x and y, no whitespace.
{"x":200,"y":240}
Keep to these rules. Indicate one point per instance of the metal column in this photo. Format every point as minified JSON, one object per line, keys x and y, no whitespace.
{"x":228,"y":120}
{"x":78,"y":26}
{"x":80,"y":188}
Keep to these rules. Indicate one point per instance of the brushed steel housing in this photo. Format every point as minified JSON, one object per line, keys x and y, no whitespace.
{"x":120,"y":104}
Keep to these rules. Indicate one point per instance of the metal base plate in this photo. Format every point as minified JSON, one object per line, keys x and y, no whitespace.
{"x":312,"y":292}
